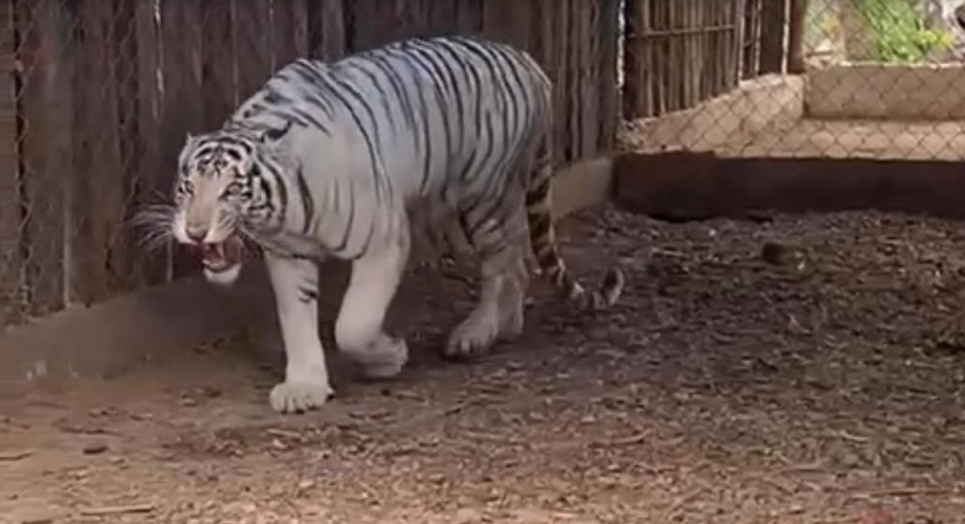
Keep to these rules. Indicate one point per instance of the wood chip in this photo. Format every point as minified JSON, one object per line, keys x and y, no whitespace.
{"x":13,"y":456}
{"x":626,"y":441}
{"x":95,"y":449}
{"x":283,"y":433}
{"x":116,"y":510}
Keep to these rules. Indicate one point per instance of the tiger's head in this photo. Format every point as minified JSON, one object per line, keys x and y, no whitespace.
{"x":227,"y":189}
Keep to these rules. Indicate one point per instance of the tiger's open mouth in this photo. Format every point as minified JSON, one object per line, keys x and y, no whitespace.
{"x":222,"y":256}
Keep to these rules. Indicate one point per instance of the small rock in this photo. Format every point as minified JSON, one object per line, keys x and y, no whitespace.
{"x":467,"y":516}
{"x":95,"y":448}
{"x":42,"y":519}
{"x":774,"y":253}
{"x":877,"y":516}
{"x":36,"y":516}
{"x":209,"y":392}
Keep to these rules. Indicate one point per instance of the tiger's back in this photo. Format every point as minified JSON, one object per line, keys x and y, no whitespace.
{"x":447,"y":128}
{"x":444,"y":123}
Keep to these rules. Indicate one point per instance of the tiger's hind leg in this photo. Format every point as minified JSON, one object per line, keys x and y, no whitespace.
{"x":504,"y":280}
{"x":359,"y":327}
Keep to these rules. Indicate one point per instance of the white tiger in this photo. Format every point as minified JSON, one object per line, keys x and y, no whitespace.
{"x":340,"y":159}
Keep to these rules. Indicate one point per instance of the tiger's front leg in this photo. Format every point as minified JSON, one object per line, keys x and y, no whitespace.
{"x":306,"y":385}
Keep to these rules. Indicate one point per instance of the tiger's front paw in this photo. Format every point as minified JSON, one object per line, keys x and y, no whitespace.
{"x":298,"y":397}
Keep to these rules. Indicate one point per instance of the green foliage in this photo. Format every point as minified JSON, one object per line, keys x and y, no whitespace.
{"x":899,"y":31}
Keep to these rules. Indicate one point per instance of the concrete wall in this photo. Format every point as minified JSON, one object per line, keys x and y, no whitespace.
{"x":755,"y":106}
{"x":887,"y":91}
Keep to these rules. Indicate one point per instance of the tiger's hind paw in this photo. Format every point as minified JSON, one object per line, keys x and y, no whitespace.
{"x":386,"y":360}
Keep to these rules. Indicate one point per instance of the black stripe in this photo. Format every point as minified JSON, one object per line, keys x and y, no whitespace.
{"x":351,"y":220}
{"x":364,"y":248}
{"x":279,"y":184}
{"x":308,"y":202}
{"x":487,"y":135}
{"x":496,"y":203}
{"x":472,"y":89}
{"x":233,"y":154}
{"x":462,"y":223}
{"x":513,"y":93}
{"x":370,"y":142}
{"x":466,"y":170}
{"x":377,"y":83}
{"x":475,"y":88}
{"x":336,"y":195}
{"x":307,"y":294}
{"x":274,"y":97}
{"x":304,"y":118}
{"x":243,"y":143}
{"x":503,"y":93}
{"x":456,"y":62}
{"x":403,"y":60}
{"x":311,"y":76}
{"x":536,"y":194}
{"x":492,"y":219}
{"x":444,"y":113}
{"x":286,"y":115}
{"x":402,"y":97}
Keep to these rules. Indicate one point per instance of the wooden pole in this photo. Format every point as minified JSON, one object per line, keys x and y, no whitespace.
{"x":795,"y":61}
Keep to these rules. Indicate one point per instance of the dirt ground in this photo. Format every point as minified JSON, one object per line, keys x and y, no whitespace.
{"x":789,"y":370}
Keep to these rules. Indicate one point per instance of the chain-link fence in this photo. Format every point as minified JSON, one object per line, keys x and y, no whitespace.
{"x":816,"y":78}
{"x":98,"y":96}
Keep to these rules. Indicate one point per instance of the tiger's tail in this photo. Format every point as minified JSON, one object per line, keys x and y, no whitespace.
{"x":542,"y":238}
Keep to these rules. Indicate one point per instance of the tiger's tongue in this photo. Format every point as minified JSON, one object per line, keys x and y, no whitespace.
{"x":218,"y":256}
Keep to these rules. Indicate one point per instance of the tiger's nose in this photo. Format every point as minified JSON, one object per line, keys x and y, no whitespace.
{"x":197,"y":234}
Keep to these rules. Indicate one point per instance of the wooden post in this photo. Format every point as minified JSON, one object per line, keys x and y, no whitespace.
{"x":289,"y":32}
{"x":606,"y":85}
{"x":218,"y":89}
{"x":11,"y":217}
{"x":97,"y":196}
{"x":45,"y":93}
{"x":252,"y":45}
{"x":151,"y":182}
{"x":638,"y":71}
{"x":795,"y":61}
{"x":774,"y":16}
{"x":326,"y":29}
{"x":181,"y":109}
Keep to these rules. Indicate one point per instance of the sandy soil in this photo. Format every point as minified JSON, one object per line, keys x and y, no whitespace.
{"x":790,"y":370}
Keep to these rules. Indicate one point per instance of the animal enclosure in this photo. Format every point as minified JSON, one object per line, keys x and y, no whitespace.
{"x":761,"y":367}
{"x":99,"y":96}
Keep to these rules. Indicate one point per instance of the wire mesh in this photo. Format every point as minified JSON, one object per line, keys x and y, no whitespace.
{"x":100,"y":95}
{"x":814,"y":78}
